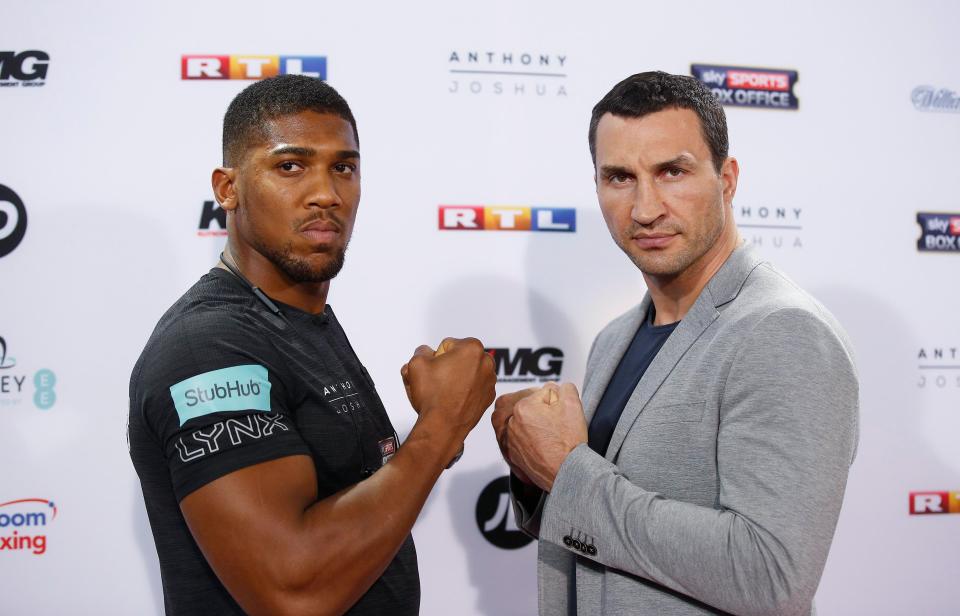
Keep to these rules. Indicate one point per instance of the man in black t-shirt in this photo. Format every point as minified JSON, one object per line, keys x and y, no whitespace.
{"x":273,"y":479}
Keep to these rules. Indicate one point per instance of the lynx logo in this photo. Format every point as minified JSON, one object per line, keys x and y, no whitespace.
{"x":250,"y":67}
{"x":507,"y":218}
{"x":212,"y":214}
{"x":495,"y":516}
{"x":934,"y":502}
{"x":13,"y":220}
{"x":230,"y":433}
{"x":527,"y":365}
{"x":27,"y":68}
{"x":749,"y":87}
{"x":938,"y":232}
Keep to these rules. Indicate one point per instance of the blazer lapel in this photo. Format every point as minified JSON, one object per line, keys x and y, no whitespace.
{"x":607,"y":359}
{"x":722,"y":288}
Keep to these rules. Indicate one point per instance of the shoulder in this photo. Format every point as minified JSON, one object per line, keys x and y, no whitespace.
{"x":210,"y":327}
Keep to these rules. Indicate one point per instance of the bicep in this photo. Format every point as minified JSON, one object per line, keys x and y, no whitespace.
{"x":247,"y":522}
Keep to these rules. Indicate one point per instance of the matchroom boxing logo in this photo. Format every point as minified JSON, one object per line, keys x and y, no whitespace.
{"x":23,"y":525}
{"x":507,"y":218}
{"x":495,"y":519}
{"x":767,"y":88}
{"x":193,"y":67}
{"x":13,"y":220}
{"x":922,"y":503}
{"x":938,"y":232}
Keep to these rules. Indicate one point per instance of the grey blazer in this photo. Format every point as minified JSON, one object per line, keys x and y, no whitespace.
{"x":723,"y":480}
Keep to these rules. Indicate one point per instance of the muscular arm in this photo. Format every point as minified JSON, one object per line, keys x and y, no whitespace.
{"x":280,"y":551}
{"x":785,"y":442}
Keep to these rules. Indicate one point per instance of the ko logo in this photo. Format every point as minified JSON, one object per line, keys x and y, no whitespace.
{"x":13,"y":220}
{"x":495,"y":516}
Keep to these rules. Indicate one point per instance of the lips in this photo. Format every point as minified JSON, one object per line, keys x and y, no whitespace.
{"x":653,"y":240}
{"x":320,"y":231}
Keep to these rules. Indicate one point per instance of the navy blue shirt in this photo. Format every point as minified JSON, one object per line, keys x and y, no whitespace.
{"x":643,"y":348}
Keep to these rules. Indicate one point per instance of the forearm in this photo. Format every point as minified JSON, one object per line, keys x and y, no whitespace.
{"x":718,"y":556}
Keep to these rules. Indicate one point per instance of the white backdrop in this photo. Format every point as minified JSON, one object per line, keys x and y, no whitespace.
{"x":111,"y":158}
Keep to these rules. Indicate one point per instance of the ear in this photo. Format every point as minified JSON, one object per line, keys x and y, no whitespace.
{"x":224,"y":187}
{"x":729,"y":174}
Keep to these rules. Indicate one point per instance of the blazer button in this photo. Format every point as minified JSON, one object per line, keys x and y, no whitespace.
{"x":592,"y":550}
{"x":577,"y":545}
{"x":567,"y":540}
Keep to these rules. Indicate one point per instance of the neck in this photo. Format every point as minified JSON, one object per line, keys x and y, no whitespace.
{"x":673,"y":296}
{"x":261,"y":272}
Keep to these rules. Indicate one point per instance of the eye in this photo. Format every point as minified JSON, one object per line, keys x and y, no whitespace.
{"x":289,"y":166}
{"x":674,"y":172}
{"x":345,"y":168}
{"x":618,"y":179}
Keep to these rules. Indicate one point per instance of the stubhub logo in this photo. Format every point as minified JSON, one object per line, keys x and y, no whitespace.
{"x":251,"y":67}
{"x":507,"y":218}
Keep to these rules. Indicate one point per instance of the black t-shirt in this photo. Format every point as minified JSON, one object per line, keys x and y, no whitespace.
{"x":643,"y":348}
{"x":223,"y":383}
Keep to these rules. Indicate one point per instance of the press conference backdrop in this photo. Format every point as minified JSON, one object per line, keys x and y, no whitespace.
{"x":478,"y":218}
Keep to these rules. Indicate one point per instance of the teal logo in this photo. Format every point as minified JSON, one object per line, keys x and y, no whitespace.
{"x":240,"y":388}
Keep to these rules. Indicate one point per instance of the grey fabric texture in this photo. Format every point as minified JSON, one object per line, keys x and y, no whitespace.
{"x":723,"y":481}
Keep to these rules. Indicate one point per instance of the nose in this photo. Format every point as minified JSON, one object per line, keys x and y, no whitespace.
{"x":648,"y":206}
{"x":323,"y":193}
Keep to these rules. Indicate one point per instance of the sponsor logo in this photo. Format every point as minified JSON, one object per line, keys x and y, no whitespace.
{"x":769,"y":88}
{"x":507,"y":218}
{"x":15,"y":384}
{"x":938,"y":367}
{"x":213,"y":220}
{"x":929,"y":98}
{"x":507,"y":73}
{"x":13,"y":220}
{"x":239,"y":388}
{"x":526,"y":365}
{"x":388,"y":447}
{"x":25,"y":69}
{"x":938,"y":232}
{"x":239,"y":431}
{"x":250,"y":67}
{"x":934,"y":502}
{"x":342,"y":396}
{"x":776,"y":227}
{"x":23,"y":525}
{"x":495,"y":519}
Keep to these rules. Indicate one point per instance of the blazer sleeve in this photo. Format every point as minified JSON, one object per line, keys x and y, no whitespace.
{"x":786,"y":438}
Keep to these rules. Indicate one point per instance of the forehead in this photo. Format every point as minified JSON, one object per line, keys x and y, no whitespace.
{"x":656,"y":136}
{"x":320,"y":131}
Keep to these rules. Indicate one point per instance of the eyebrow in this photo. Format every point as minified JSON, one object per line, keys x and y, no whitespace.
{"x":608,"y":170}
{"x":298,"y":150}
{"x":681,"y":159}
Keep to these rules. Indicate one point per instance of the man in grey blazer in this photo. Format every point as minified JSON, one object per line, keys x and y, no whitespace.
{"x":704,"y":470}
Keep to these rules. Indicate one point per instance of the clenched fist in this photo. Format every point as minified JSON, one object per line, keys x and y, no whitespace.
{"x":537,"y":428}
{"x":451,"y":387}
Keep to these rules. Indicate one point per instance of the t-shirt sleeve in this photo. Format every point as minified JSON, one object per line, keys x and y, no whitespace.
{"x":213,"y":395}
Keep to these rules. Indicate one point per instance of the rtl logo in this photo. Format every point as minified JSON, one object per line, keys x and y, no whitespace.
{"x":28,"y":68}
{"x":526,"y":365}
{"x":251,"y":67}
{"x":934,"y":502}
{"x":212,"y":213}
{"x":507,"y":218}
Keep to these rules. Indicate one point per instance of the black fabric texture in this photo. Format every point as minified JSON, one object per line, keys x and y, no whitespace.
{"x":321,"y":403}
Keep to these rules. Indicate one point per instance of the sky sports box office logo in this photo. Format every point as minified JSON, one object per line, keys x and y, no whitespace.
{"x":938,"y":232}
{"x":198,"y":66}
{"x":922,"y":503}
{"x":507,"y":218}
{"x":767,"y":88}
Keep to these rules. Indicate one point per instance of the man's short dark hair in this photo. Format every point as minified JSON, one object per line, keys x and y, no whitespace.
{"x":273,"y":98}
{"x":645,"y":93}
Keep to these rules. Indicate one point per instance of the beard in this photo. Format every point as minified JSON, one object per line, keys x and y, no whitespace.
{"x":299,"y":269}
{"x":665,"y":264}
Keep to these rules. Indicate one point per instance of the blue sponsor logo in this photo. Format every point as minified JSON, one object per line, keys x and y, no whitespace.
{"x":240,"y":388}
